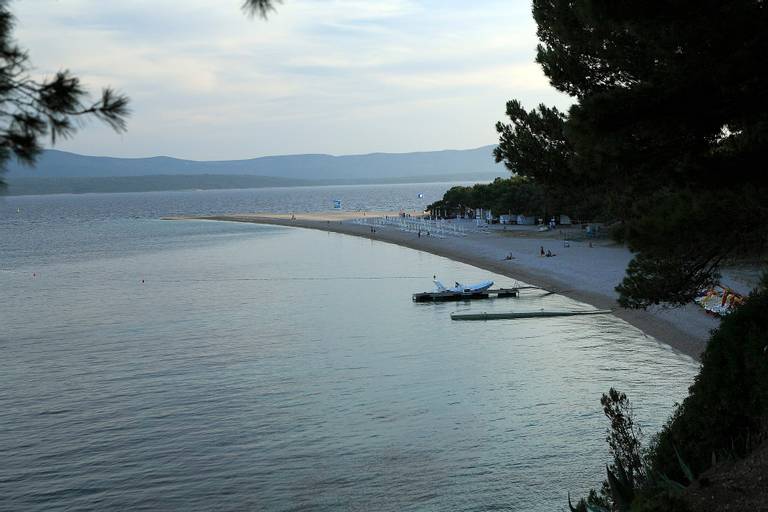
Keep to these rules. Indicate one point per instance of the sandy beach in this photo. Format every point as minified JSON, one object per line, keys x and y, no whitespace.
{"x":584,"y":271}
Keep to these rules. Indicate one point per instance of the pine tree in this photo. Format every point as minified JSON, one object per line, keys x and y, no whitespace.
{"x":32,"y":110}
{"x":672,"y":116}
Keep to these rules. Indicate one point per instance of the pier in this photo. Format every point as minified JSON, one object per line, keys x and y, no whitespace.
{"x":446,"y":296}
{"x":526,"y":314}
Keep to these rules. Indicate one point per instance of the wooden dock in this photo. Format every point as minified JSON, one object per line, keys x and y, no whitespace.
{"x":446,"y":296}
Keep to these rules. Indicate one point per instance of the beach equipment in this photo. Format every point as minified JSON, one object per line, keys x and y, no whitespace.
{"x":719,"y":301}
{"x":437,"y":228}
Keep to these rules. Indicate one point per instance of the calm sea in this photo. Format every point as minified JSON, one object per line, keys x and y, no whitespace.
{"x":192,"y":365}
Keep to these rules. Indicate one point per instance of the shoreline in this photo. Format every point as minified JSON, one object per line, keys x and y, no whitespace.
{"x":580,"y":271}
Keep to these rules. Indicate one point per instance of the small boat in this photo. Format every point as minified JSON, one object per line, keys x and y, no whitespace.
{"x":464,"y":288}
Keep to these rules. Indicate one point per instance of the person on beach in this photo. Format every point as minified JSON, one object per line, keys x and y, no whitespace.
{"x":541,"y":251}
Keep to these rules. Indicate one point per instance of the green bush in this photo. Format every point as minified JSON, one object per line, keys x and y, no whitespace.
{"x":659,"y":502}
{"x":728,"y":402}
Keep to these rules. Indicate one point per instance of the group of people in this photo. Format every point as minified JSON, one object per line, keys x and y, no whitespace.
{"x":548,"y":253}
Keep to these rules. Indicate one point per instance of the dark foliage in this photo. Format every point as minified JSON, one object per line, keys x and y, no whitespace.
{"x":725,"y":412}
{"x":724,"y":416}
{"x":534,"y":145}
{"x":259,"y":7}
{"x":671,"y":117}
{"x":31,"y":110}
{"x":627,"y":473}
{"x":623,"y":437}
{"x":660,"y":502}
{"x":516,"y":195}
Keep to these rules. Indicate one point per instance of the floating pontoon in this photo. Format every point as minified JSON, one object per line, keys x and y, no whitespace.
{"x":481,"y":290}
{"x":525,"y":314}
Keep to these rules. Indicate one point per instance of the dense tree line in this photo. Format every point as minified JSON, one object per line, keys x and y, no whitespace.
{"x":516,"y":195}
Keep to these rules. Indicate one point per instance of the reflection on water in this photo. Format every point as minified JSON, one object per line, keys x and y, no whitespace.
{"x":200,"y":365}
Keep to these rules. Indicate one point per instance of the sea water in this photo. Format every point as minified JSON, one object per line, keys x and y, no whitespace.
{"x":193,"y":365}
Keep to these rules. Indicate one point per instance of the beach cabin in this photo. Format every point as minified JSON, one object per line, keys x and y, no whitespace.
{"x":525,"y":220}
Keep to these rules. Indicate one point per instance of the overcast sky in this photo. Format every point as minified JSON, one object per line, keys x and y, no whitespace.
{"x":320,"y":76}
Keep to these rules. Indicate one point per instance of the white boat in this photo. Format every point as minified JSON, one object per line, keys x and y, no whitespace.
{"x":464,"y":288}
{"x":459,"y":291}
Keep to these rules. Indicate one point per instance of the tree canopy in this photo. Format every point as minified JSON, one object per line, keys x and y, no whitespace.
{"x":671,"y":117}
{"x":518,"y":195}
{"x":534,"y":145}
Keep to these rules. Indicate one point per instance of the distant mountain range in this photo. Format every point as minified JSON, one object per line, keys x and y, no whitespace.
{"x":63,"y":172}
{"x":59,"y":164}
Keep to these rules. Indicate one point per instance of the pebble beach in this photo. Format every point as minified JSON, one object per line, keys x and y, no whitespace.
{"x":582,"y":269}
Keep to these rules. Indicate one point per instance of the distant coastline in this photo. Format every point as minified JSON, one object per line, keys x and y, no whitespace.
{"x":22,"y":186}
{"x":60,"y":172}
{"x":580,"y":271}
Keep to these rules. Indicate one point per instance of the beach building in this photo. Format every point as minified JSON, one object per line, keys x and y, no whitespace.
{"x":525,"y":220}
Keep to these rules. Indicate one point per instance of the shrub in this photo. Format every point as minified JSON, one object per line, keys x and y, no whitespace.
{"x":728,"y":402}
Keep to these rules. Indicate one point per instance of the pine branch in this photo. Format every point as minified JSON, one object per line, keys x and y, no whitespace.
{"x":259,"y":8}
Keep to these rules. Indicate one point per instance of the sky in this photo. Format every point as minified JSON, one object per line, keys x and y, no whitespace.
{"x":207,"y":82}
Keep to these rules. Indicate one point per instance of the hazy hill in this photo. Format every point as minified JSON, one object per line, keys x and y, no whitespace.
{"x":60,"y":164}
{"x":19,"y":186}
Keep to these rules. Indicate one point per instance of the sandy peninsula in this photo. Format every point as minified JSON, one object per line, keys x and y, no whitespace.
{"x":585,"y":270}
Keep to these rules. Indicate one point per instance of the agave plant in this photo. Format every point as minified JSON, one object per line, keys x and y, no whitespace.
{"x":673,"y":485}
{"x":622,"y":489}
{"x":584,"y":506}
